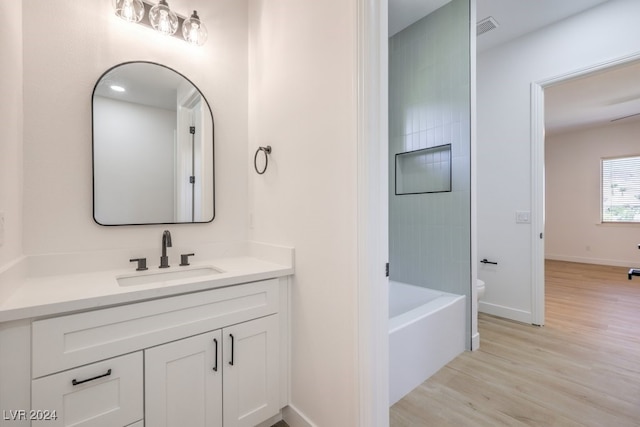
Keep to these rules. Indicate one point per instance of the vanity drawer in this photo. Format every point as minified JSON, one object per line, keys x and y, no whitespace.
{"x":107,"y":393}
{"x":77,"y":339}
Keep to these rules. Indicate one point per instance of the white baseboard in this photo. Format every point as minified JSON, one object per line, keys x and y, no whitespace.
{"x":598,"y":261}
{"x":506,"y":312}
{"x":271,"y":421}
{"x":294,"y":418}
{"x":475,"y":341}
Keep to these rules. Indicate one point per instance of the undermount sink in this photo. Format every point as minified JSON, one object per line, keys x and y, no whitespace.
{"x":163,"y":276}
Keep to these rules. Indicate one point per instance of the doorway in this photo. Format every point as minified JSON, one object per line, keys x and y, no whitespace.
{"x":538,"y":170}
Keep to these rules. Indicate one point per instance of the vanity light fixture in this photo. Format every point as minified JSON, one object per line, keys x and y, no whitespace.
{"x":129,"y":10}
{"x":162,"y":19}
{"x":193,"y":30}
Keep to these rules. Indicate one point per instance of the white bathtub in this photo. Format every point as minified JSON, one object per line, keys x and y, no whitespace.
{"x":426,"y":331}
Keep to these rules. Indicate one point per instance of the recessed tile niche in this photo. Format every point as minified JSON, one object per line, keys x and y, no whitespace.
{"x":427,"y":170}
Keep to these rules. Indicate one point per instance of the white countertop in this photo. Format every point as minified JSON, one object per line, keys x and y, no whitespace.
{"x":46,"y":295}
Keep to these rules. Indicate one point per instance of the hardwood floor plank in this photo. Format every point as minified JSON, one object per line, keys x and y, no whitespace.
{"x":581,"y":369}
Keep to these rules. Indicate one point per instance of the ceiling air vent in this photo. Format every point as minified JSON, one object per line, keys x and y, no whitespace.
{"x":486,"y":25}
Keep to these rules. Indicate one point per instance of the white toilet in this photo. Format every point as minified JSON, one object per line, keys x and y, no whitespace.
{"x":480,"y":289}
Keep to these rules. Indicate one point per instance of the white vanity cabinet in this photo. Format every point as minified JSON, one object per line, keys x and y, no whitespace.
{"x":183,"y":382}
{"x":251,"y":382}
{"x":107,"y":393}
{"x":187,"y":381}
{"x":213,"y":358}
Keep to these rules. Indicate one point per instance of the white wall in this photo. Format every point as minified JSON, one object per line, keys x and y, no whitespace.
{"x":573,"y":228}
{"x":429,"y":80}
{"x":11,"y":124}
{"x":505,"y":74}
{"x":303,"y":103}
{"x":67,"y":46}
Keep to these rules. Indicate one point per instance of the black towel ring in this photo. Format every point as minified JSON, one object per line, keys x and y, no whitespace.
{"x":267,"y":151}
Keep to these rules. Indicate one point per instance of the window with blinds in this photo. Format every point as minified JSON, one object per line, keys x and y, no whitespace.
{"x":621,"y":189}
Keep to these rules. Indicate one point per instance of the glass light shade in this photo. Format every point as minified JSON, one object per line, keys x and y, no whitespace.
{"x":129,"y":10}
{"x":193,"y":30}
{"x":163,"y":19}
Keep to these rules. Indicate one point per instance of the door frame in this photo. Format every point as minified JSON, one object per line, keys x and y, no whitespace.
{"x":372,"y":376}
{"x":373,"y":202}
{"x":538,"y":174}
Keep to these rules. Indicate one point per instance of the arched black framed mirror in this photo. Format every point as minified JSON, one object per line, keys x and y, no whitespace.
{"x":153,"y":148}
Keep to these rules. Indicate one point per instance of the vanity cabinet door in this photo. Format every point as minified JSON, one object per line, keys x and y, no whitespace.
{"x":103,"y":394}
{"x":183,"y":382}
{"x":251,"y":372}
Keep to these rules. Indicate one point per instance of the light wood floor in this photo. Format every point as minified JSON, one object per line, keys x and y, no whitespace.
{"x":581,"y":369}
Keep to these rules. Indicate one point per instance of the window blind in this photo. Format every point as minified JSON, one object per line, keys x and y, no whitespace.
{"x":621,"y":189}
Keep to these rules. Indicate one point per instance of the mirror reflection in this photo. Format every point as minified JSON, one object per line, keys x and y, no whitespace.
{"x":152,"y":148}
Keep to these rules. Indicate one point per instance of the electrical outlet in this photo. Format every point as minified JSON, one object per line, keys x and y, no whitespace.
{"x":1,"y":228}
{"x":523,"y":217}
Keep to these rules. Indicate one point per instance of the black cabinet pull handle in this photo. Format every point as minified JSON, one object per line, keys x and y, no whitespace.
{"x":231,"y":361}
{"x":215,"y":342}
{"x":485,"y":261}
{"x":76,"y":382}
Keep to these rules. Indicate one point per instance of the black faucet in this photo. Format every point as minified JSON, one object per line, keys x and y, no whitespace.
{"x":166,"y":243}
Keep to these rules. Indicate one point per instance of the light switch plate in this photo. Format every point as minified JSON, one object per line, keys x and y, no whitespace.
{"x":523,"y":217}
